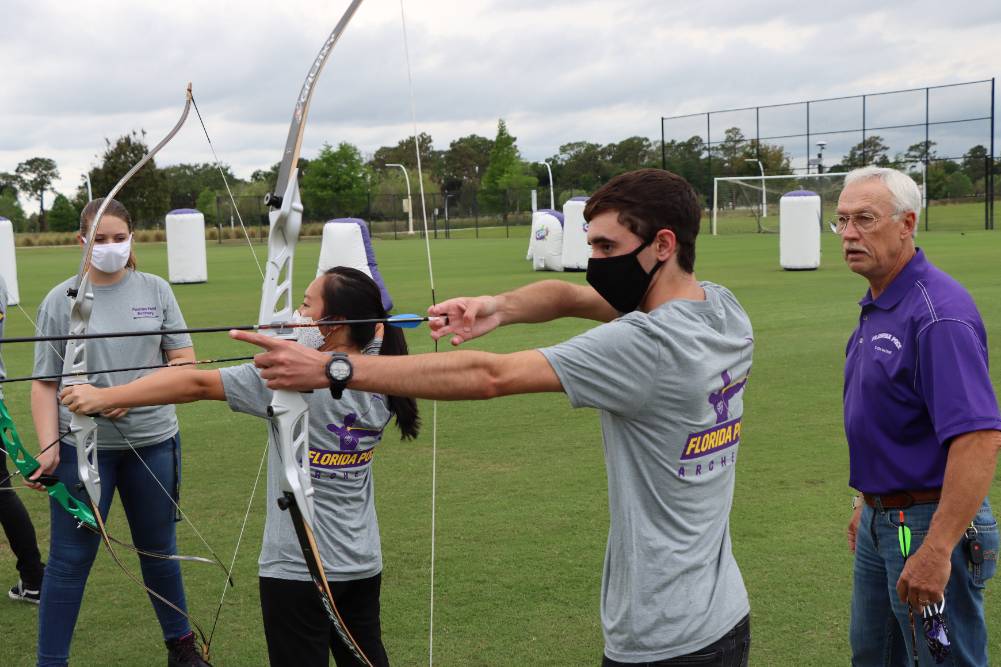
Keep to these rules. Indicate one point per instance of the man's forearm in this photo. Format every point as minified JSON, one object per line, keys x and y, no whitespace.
{"x":968,"y":475}
{"x":551,"y":299}
{"x":461,"y":375}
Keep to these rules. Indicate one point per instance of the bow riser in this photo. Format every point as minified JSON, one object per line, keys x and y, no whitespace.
{"x":289,"y":414}
{"x":83,"y":429}
{"x":289,"y":411}
{"x":277,"y":300}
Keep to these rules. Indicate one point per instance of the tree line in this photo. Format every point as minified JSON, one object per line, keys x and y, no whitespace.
{"x":489,"y":175}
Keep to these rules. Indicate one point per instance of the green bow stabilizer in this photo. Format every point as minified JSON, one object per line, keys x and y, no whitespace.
{"x":27,"y":465}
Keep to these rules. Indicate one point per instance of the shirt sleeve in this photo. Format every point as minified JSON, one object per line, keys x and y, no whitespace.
{"x":245,"y":390}
{"x":51,"y":321}
{"x":953,"y":378}
{"x":172,"y":319}
{"x":610,"y":367}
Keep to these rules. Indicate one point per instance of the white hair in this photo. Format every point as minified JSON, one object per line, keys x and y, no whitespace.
{"x":904,"y":191}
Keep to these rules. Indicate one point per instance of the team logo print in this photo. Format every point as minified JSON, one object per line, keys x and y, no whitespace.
{"x":720,"y":400}
{"x":541,"y":233}
{"x":726,"y":432}
{"x":881,"y":342}
{"x":350,"y":435}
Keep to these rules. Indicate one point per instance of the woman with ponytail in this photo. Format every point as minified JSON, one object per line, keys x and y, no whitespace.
{"x":343,"y":435}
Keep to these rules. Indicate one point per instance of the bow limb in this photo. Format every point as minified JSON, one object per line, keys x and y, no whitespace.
{"x":27,"y":465}
{"x":289,"y":412}
{"x":83,"y":428}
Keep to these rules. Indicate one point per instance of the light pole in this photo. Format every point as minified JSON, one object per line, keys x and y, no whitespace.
{"x":410,"y":201}
{"x":764,"y":200}
{"x":552,"y":190}
{"x":821,"y":145}
{"x":90,"y":191}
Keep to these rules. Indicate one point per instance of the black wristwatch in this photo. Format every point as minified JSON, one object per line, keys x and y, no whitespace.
{"x":339,"y":372}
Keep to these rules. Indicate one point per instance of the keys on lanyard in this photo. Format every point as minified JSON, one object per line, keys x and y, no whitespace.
{"x":974,"y":549}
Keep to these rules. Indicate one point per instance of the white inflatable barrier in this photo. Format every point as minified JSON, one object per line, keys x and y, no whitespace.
{"x":346,"y":242}
{"x":799,"y":230}
{"x":186,"y":262}
{"x":576,"y":251}
{"x":540,"y":219}
{"x":547,"y":240}
{"x":8,"y":261}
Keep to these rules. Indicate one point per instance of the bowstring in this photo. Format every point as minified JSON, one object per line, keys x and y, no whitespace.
{"x":264,"y":456}
{"x":434,"y":302}
{"x":225,"y":182}
{"x":131,"y":446}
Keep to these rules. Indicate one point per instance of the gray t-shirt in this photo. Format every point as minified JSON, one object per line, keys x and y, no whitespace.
{"x":668,"y":385}
{"x":137,"y":302}
{"x":3,"y":316}
{"x":342,"y":439}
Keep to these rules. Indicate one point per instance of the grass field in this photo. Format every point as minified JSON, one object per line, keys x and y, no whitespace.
{"x":522,"y":512}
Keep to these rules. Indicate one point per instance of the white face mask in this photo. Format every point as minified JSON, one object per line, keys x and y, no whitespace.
{"x":111,"y":257}
{"x":307,"y":336}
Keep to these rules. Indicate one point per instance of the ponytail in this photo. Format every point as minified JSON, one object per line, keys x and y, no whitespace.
{"x":405,"y":408}
{"x":351,"y":294}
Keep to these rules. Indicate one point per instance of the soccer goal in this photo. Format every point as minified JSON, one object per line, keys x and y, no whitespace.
{"x":751,"y":203}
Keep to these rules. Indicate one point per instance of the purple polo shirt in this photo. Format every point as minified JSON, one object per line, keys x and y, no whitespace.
{"x":915,"y":378}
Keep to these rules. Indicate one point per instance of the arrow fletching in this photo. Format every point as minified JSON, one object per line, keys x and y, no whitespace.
{"x":406,"y":321}
{"x":904,"y":537}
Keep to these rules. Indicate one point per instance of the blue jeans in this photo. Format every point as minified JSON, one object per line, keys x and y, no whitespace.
{"x":151,"y":518}
{"x":880,"y":628}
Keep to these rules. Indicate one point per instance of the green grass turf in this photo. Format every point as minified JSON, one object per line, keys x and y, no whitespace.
{"x":522,"y":513}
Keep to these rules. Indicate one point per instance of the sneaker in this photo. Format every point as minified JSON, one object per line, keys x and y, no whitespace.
{"x":184,"y":652}
{"x":19,"y":592}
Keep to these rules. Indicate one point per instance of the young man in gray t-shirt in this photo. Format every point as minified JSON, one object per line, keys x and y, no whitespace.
{"x":667,"y":373}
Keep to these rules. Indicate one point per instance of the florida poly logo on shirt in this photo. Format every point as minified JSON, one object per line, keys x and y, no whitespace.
{"x":333,"y":461}
{"x":145,"y":313}
{"x":541,"y":233}
{"x":882,"y":342}
{"x":346,"y":455}
{"x":726,"y":432}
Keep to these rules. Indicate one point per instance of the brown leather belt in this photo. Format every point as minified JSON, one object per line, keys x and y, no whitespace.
{"x":902,"y":499}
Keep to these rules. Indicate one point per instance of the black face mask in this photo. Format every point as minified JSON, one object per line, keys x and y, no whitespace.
{"x":621,"y":280}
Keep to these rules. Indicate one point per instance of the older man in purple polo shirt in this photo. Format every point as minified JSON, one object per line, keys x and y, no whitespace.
{"x":923,"y":432}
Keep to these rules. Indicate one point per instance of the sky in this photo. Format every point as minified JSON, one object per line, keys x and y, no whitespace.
{"x":556,"y":71}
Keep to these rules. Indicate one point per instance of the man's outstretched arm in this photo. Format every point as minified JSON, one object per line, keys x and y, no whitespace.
{"x":471,"y":317}
{"x":460,"y":375}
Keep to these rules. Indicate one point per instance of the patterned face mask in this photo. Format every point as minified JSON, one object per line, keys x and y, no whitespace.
{"x":307,"y":336}
{"x":936,"y":631}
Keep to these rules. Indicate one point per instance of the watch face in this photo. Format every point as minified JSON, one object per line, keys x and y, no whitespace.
{"x":339,"y":370}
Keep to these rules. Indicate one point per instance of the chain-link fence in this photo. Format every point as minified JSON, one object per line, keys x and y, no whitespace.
{"x":942,"y":135}
{"x":467,"y":212}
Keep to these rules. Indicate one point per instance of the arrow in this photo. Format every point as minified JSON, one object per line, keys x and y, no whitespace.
{"x":408,"y":321}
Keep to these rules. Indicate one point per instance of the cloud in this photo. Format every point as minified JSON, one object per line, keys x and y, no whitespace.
{"x":556,"y":70}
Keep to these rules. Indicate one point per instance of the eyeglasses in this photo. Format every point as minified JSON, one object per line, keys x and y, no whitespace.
{"x":864,"y":222}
